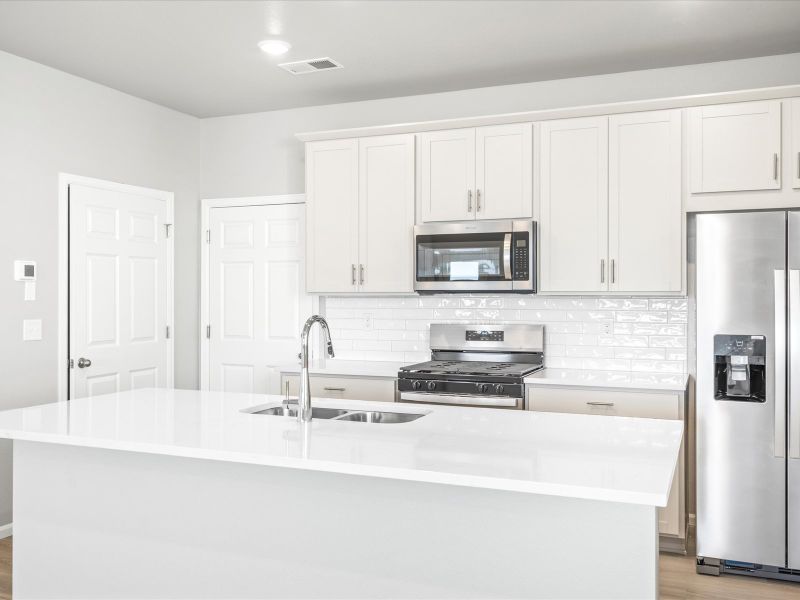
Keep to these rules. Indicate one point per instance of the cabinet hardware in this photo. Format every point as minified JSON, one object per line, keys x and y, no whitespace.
{"x":361,"y":274}
{"x":287,"y":391}
{"x":600,"y":403}
{"x":602,"y":270}
{"x":478,"y":201}
{"x":469,"y":201}
{"x":353,"y":274}
{"x":334,"y":389}
{"x":798,"y":165}
{"x":208,"y":236}
{"x":613,"y":271}
{"x":168,"y":332}
{"x":167,"y":229}
{"x":208,"y":332}
{"x":775,"y":166}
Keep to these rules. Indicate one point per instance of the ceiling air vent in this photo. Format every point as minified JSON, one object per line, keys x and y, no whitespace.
{"x":312,"y":65}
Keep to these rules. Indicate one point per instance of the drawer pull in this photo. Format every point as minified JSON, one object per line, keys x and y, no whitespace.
{"x":600,"y":403}
{"x":334,"y":389}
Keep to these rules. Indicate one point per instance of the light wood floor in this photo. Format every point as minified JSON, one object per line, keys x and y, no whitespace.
{"x":678,"y":581}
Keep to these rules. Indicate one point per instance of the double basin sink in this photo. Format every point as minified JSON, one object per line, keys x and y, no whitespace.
{"x":340,"y":414}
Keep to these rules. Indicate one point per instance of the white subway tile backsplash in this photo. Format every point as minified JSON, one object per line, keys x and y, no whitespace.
{"x":613,"y":333}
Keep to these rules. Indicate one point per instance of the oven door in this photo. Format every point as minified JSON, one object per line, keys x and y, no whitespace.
{"x":464,"y":257}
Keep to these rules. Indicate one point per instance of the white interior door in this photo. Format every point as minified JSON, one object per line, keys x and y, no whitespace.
{"x":257,"y":298}
{"x":118,"y":291}
{"x":573,"y":244}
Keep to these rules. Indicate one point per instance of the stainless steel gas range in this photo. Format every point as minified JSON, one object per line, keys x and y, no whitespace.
{"x":475,"y":365}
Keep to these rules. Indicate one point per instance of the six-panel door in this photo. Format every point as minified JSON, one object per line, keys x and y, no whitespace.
{"x":574,"y":205}
{"x":735,"y":147}
{"x":332,"y":199}
{"x":645,"y":206}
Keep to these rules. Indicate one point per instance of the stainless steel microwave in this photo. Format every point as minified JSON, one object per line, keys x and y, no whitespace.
{"x":488,"y":256}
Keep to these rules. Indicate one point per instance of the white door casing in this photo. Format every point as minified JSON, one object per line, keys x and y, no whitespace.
{"x":735,"y":147}
{"x":257,"y":301}
{"x":119,"y":290}
{"x":574,"y":205}
{"x":447,"y":175}
{"x":645,"y":203}
{"x":504,"y":171}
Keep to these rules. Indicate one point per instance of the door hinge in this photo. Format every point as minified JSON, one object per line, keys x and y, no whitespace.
{"x":167,"y":331}
{"x":168,"y":228}
{"x":70,"y":363}
{"x":208,"y":331}
{"x":208,"y":236}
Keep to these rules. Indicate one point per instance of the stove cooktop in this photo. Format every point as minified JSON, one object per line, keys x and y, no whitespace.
{"x":469,"y":367}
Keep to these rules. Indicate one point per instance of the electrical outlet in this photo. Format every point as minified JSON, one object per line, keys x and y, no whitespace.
{"x":31,"y":330}
{"x":368,"y":320}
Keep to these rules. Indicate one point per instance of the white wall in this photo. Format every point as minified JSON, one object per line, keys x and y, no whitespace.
{"x":51,"y":122}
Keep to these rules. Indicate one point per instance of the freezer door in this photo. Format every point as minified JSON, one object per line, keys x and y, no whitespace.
{"x":793,"y":498}
{"x":741,"y":445}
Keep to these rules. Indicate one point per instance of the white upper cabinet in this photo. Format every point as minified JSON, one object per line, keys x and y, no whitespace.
{"x":360,"y":203}
{"x":386,"y":213}
{"x":735,"y":147}
{"x":447,"y":175}
{"x":645,"y":208}
{"x":574,"y":205}
{"x":332,"y":219}
{"x":504,"y":172}
{"x":481,"y":173}
{"x":795,"y":157}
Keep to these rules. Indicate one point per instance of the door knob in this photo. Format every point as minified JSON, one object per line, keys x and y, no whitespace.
{"x":83,"y":363}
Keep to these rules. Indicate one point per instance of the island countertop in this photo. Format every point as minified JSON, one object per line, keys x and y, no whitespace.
{"x":615,"y":459}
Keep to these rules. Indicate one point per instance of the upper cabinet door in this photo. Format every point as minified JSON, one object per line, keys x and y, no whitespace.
{"x":447,"y":175}
{"x":574,"y":205}
{"x":386,"y":208}
{"x":332,"y":220}
{"x":645,"y":207}
{"x":735,"y":147}
{"x":795,"y":159}
{"x":504,"y":172}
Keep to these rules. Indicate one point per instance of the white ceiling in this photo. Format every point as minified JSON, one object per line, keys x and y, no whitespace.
{"x":202,"y":58}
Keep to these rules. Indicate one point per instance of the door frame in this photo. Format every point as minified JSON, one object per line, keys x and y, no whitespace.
{"x":205,"y":291}
{"x":65,"y":383}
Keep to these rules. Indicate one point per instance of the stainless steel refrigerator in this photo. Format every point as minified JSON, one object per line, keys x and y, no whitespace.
{"x":748,"y":393}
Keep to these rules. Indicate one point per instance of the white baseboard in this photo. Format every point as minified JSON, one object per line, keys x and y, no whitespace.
{"x":6,"y":530}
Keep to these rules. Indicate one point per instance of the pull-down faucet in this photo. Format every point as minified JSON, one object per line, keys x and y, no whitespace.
{"x":304,"y":402}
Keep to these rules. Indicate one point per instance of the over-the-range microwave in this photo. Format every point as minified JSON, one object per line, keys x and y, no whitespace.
{"x":476,"y":256}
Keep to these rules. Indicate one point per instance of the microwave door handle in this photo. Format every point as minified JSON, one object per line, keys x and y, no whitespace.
{"x":507,"y":256}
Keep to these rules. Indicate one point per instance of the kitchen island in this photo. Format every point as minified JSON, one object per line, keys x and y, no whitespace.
{"x":182,"y":494}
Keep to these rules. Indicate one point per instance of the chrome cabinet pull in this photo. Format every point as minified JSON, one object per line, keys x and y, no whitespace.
{"x":613,"y":271}
{"x":600,"y":403}
{"x":353,"y":273}
{"x":775,"y":166}
{"x":334,"y":389}
{"x":602,"y":270}
{"x":361,"y":274}
{"x":84,"y":362}
{"x":478,"y":201}
{"x":469,"y":201}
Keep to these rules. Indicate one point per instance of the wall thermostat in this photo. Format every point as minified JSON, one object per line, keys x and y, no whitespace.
{"x":25,"y":270}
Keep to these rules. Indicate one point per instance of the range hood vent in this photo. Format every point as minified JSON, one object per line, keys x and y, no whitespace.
{"x":312,"y":65}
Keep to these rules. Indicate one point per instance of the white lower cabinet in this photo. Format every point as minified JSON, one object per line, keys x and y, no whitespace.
{"x":376,"y":389}
{"x":625,"y":403}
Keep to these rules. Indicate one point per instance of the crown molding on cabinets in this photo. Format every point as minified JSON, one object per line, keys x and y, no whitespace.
{"x":770,"y":93}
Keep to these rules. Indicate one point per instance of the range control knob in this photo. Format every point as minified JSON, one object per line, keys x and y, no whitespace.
{"x":499,"y":389}
{"x":417,"y":385}
{"x":431,"y":385}
{"x":483,"y":388}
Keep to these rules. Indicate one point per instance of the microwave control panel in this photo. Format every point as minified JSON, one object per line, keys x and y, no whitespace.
{"x":521,"y":256}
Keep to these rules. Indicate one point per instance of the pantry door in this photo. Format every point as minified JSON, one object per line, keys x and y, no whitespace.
{"x":119,"y":289}
{"x":257,"y":299}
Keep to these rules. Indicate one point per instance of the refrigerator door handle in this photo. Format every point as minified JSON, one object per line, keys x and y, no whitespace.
{"x":780,"y":363}
{"x":794,"y":363}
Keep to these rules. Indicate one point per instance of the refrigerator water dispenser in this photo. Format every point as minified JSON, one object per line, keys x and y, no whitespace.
{"x":740,"y":363}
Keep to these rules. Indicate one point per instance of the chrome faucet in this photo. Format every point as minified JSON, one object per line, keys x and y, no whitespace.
{"x":304,"y":402}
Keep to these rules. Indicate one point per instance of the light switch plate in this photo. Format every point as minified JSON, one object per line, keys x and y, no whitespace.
{"x":31,"y":330}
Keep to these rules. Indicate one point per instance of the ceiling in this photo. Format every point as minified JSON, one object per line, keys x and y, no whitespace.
{"x":202,"y":58}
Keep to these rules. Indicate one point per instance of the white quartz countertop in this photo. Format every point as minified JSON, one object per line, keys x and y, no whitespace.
{"x":610,"y":379}
{"x":356,"y":368}
{"x":578,"y":456}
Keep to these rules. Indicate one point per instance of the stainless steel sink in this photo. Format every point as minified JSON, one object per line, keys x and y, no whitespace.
{"x":291,"y":411}
{"x":380,"y":417}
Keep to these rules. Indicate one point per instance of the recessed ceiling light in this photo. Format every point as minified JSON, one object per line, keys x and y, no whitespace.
{"x":274,"y":47}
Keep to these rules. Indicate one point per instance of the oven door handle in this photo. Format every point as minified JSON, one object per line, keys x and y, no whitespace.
{"x":507,"y":256}
{"x":497,"y":401}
